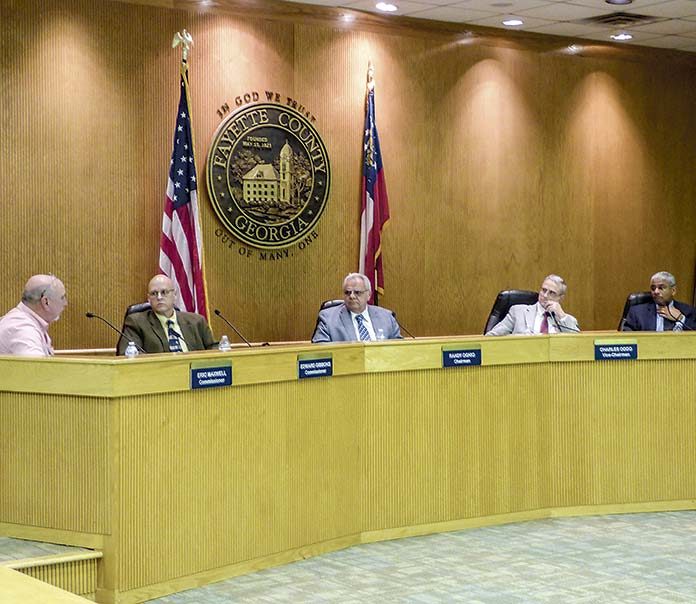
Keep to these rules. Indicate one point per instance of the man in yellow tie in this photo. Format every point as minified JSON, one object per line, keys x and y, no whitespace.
{"x":162,"y":328}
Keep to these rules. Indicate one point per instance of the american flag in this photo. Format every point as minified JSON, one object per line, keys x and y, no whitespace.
{"x":375,"y":205}
{"x":181,"y":253}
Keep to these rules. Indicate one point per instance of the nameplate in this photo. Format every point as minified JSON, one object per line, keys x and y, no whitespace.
{"x":211,"y":376}
{"x":461,"y":357}
{"x":314,"y":366}
{"x":615,"y":351}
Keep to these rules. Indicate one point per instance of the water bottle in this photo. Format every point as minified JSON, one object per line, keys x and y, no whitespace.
{"x":224,"y":345}
{"x":131,"y":350}
{"x":380,"y":335}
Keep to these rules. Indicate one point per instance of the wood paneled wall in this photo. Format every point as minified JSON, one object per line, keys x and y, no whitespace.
{"x":505,"y":160}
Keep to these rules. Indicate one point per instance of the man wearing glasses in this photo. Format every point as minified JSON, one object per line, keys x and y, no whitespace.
{"x":354,"y":320}
{"x":163,"y":328}
{"x":546,"y":316}
{"x":24,"y":329}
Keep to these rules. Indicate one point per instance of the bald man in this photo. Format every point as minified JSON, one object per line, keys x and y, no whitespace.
{"x":24,"y":329}
{"x":162,"y":328}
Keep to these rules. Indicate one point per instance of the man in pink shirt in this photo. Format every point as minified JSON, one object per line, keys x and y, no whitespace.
{"x":24,"y":329}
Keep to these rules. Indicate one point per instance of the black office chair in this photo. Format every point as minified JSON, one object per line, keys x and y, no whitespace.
{"x":139,"y":307}
{"x":504,"y":301}
{"x":330,"y":304}
{"x":632,"y":300}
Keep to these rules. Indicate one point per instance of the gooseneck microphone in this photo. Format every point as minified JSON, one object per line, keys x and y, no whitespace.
{"x":559,"y":326}
{"x":219,"y":314}
{"x":91,"y":315}
{"x":401,"y":325}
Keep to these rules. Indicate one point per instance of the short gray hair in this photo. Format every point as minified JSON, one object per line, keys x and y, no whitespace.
{"x":562,"y":287}
{"x":366,"y":282}
{"x":665,"y":276}
{"x":37,"y":287}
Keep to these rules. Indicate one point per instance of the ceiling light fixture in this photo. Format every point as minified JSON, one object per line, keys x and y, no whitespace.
{"x":622,"y":36}
{"x":619,"y":1}
{"x":513,"y":22}
{"x":386,"y":7}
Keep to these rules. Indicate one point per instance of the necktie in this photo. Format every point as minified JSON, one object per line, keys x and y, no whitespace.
{"x":362,"y":330}
{"x":174,"y":345}
{"x":544,"y":324}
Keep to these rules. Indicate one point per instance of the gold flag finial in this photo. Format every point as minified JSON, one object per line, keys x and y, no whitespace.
{"x":370,"y":76}
{"x":184,"y":38}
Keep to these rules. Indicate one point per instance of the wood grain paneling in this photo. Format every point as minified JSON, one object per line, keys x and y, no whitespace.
{"x":505,"y":160}
{"x":190,"y":486}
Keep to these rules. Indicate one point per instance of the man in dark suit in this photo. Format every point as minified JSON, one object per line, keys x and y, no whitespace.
{"x":355,"y":320}
{"x":664,"y":313}
{"x":163,"y":329}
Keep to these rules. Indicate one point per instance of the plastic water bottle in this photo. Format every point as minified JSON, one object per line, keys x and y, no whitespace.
{"x":380,"y":335}
{"x":131,"y":350}
{"x":224,"y":345}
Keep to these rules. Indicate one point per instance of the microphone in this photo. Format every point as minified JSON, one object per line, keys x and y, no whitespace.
{"x":91,"y":315}
{"x":219,"y":314}
{"x":559,"y":326}
{"x":401,"y":325}
{"x":685,"y":327}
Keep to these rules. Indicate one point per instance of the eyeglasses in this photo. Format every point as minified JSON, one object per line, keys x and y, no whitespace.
{"x":357,"y":292}
{"x":163,"y":293}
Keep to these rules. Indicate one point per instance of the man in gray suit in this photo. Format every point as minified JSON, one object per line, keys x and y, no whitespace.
{"x":546,"y":316}
{"x":355,"y":320}
{"x":164,"y":329}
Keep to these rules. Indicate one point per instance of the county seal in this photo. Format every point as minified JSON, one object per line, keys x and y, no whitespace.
{"x":268,"y":175}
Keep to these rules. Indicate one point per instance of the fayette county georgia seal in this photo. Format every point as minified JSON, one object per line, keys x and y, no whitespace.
{"x":268,"y":175}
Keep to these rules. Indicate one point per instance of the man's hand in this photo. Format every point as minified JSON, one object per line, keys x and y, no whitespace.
{"x":672,"y":314}
{"x":555,"y":307}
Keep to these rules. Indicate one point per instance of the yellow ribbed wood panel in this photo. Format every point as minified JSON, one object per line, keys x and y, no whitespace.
{"x":186,"y":487}
{"x":78,"y":577}
{"x":57,"y":448}
{"x":505,"y":159}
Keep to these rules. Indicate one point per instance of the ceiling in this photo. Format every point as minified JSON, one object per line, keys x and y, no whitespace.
{"x":670,"y":24}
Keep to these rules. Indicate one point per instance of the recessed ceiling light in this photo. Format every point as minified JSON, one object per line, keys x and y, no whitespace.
{"x":622,"y":37}
{"x":386,"y":7}
{"x":619,"y":1}
{"x":513,"y":22}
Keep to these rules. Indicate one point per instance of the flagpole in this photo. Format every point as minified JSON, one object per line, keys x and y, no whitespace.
{"x":181,"y":245}
{"x":186,"y":40}
{"x":374,"y":203}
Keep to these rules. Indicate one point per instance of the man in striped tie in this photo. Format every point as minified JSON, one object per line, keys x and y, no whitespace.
{"x":162,"y":328}
{"x":354,"y":320}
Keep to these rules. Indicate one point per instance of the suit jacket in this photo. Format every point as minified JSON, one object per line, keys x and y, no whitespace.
{"x":145,"y":329}
{"x":643,"y":317}
{"x":336,"y":325}
{"x":520,"y":320}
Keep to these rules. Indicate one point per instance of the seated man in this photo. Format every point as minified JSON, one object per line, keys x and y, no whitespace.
{"x":664,"y":313}
{"x":546,"y":316}
{"x":24,"y":329}
{"x":162,"y":329}
{"x":354,"y":320}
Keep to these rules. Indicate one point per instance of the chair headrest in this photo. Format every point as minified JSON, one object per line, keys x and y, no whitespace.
{"x":139,"y":307}
{"x":330,"y":304}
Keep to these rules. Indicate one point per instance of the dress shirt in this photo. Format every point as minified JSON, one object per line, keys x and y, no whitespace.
{"x":366,"y":322}
{"x":660,"y":320}
{"x":553,"y":328}
{"x":163,"y":320}
{"x":23,"y":332}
